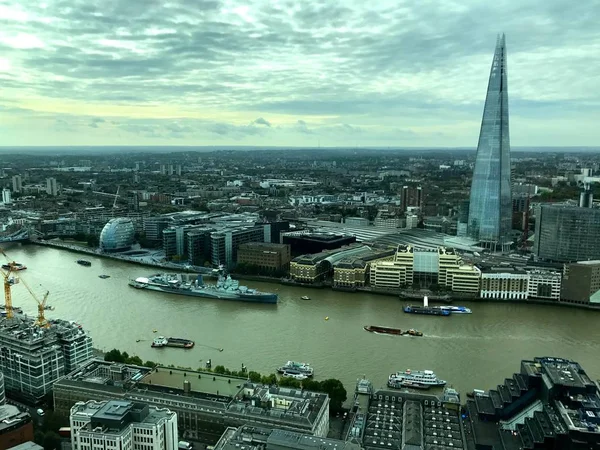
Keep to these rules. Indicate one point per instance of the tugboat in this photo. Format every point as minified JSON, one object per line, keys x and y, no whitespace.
{"x":84,"y":262}
{"x":392,"y":331}
{"x":162,"y":341}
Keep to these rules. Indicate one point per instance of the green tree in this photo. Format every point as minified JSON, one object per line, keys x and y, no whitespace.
{"x":254,"y":376}
{"x":51,"y":441}
{"x":135,"y":360}
{"x":114,"y":355}
{"x":336,"y":391}
{"x":219,"y":369}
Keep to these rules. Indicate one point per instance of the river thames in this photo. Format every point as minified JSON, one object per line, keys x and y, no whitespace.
{"x":469,"y":351}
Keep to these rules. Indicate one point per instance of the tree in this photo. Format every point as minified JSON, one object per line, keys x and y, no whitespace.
{"x":337,"y":393}
{"x":219,"y":369}
{"x":114,"y":355}
{"x":254,"y":376}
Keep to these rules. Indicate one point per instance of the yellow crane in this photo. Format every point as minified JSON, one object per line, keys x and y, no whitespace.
{"x":41,"y":320}
{"x":8,"y":282}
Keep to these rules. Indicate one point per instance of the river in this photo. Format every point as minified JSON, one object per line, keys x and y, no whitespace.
{"x":470,"y":351}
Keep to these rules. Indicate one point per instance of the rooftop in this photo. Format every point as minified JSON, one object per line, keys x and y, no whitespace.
{"x":11,"y":416}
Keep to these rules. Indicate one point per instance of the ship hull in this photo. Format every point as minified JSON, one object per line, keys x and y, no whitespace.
{"x":262,"y":298}
{"x":401,"y":385}
{"x":429,"y":311}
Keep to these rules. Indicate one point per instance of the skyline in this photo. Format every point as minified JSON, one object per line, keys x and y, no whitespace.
{"x":283,"y":75}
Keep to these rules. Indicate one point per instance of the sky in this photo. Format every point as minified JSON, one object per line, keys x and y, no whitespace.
{"x":294,"y":73}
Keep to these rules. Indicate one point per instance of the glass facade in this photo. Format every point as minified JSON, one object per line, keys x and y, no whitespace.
{"x":117,"y":235}
{"x":567,"y":233}
{"x":490,"y":204}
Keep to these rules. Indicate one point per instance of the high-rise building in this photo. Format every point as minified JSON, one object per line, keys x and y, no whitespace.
{"x":51,"y":188}
{"x":6,"y":197}
{"x":121,"y":424}
{"x":566,"y":233}
{"x":33,"y":358}
{"x":490,"y":206}
{"x":17,"y":183}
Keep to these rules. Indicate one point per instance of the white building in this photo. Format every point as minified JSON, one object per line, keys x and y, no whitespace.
{"x":6,"y":197}
{"x":412,"y":221}
{"x":504,"y":285}
{"x":544,"y":284}
{"x":122,"y":425}
{"x":51,"y":187}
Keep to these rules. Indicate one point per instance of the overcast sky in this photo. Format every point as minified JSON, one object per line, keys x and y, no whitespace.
{"x":299,"y":73}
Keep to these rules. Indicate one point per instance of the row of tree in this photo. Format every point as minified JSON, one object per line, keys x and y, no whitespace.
{"x":333,"y":387}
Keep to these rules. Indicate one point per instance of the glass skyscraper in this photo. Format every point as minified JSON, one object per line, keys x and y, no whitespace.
{"x":490,"y":207}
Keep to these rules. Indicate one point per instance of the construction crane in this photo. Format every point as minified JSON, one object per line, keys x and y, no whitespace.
{"x":41,"y":320}
{"x":8,"y":282}
{"x":116,"y":197}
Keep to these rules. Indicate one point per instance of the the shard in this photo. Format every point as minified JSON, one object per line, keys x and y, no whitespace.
{"x":490,"y":206}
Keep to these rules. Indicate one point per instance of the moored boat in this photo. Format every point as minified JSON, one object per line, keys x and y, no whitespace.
{"x":456,"y":309}
{"x":292,"y":367}
{"x":426,"y":310}
{"x":414,"y":379}
{"x":226,"y":288}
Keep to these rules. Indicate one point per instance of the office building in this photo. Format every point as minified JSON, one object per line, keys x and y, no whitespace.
{"x":51,"y":187}
{"x":16,"y":426}
{"x":424,"y":267}
{"x":581,"y":283}
{"x":2,"y":390}
{"x":277,"y":228}
{"x":6,"y":197}
{"x":117,"y":235}
{"x":225,"y":243}
{"x":551,"y":403}
{"x":198,"y":246}
{"x":33,"y":357}
{"x":308,"y":243}
{"x":176,"y":243}
{"x":462,"y":219}
{"x":259,"y":438}
{"x":352,"y":272}
{"x":265,"y":256}
{"x":153,"y":227}
{"x":490,"y":200}
{"x":503,"y":284}
{"x":17,"y":183}
{"x":544,"y":284}
{"x":567,"y":233}
{"x":205,"y":403}
{"x":122,"y":425}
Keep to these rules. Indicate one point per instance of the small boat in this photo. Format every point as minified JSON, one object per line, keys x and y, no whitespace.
{"x":14,"y":266}
{"x":49,"y":308}
{"x":292,"y":367}
{"x":104,"y":277}
{"x":392,"y":331}
{"x":295,"y":376}
{"x":84,"y":262}
{"x":456,"y":309}
{"x":305,"y":297}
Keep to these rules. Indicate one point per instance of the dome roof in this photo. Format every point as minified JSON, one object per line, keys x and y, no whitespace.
{"x":117,"y":235}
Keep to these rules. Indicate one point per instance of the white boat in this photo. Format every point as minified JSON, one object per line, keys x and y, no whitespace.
{"x":456,"y":309}
{"x":295,"y":376}
{"x":415,"y":379}
{"x":305,"y":297}
{"x":292,"y":367}
{"x":160,"y":341}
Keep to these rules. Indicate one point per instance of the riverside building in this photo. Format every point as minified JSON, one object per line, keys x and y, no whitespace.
{"x":122,"y":425}
{"x":205,"y":403}
{"x":33,"y":358}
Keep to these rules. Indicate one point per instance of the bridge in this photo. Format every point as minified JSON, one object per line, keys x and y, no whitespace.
{"x":22,"y":234}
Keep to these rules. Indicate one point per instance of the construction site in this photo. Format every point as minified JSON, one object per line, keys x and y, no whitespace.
{"x":34,"y":351}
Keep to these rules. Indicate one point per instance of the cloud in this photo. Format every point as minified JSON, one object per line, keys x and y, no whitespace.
{"x":261,"y":121}
{"x":388,"y":68}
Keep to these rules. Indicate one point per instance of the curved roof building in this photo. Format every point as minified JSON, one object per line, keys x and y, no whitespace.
{"x":117,"y":235}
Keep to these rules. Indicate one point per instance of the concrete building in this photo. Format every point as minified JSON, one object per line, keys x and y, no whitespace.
{"x":16,"y":426}
{"x":198,"y":242}
{"x":567,"y":233}
{"x":504,"y":285}
{"x":17,"y":183}
{"x":544,"y":284}
{"x":6,"y":197}
{"x":311,"y":243}
{"x":310,"y":268}
{"x":411,"y":197}
{"x":205,"y":403}
{"x":33,"y":358}
{"x":424,"y":267}
{"x":51,"y":187}
{"x":356,"y":221}
{"x":352,"y":272}
{"x":177,"y":244}
{"x":153,"y":227}
{"x":412,"y":220}
{"x":2,"y":390}
{"x":122,"y":425}
{"x":225,"y":243}
{"x":268,"y":257}
{"x":259,"y":438}
{"x":581,"y":283}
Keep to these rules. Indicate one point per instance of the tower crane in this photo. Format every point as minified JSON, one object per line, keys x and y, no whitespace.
{"x":116,"y":197}
{"x":8,"y":282}
{"x":41,"y":320}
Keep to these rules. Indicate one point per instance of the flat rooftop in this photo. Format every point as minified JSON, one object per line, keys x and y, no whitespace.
{"x":564,"y":372}
{"x":200,"y":382}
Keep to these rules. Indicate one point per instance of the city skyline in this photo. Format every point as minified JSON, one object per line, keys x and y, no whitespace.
{"x":490,"y":207}
{"x":228,"y":73}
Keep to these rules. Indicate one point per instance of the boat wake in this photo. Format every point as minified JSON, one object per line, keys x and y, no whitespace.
{"x":496,"y":338}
